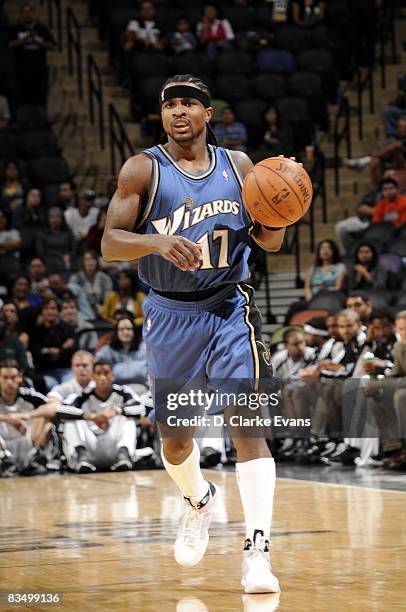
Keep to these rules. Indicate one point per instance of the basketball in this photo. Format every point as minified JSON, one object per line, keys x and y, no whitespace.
{"x":277,"y":192}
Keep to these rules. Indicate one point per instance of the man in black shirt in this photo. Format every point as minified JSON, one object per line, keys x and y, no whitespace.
{"x":30,"y":41}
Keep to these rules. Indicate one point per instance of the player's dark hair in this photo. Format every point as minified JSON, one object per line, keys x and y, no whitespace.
{"x":189,"y":78}
{"x":102,"y":362}
{"x":288,"y":333}
{"x":360,"y":294}
{"x":336,"y":258}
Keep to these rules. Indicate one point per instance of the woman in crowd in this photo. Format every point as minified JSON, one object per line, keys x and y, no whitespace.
{"x":327,"y":274}
{"x":12,"y":186}
{"x":276,"y":140}
{"x":95,"y":283}
{"x":29,"y":219}
{"x":56,"y":244}
{"x":127,"y":296}
{"x":126,"y":352}
{"x":14,"y":328}
{"x":367,"y":272}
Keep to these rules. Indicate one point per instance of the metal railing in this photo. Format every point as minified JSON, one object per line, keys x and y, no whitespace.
{"x":318,"y":176}
{"x":119,"y":140}
{"x":74,"y":41}
{"x":95,"y":93}
{"x":55,"y":19}
{"x":342,"y":133}
{"x":363,"y":83}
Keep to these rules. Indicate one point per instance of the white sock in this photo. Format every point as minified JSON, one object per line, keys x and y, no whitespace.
{"x":188,"y":475}
{"x":256,"y":482}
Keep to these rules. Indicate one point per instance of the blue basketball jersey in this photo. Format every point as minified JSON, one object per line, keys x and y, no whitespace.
{"x":205,"y":208}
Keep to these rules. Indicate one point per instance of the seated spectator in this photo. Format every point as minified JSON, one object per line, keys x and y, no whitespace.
{"x":395,"y":110}
{"x":349,"y":229}
{"x":95,"y":233}
{"x":183,"y":39}
{"x":214,"y":32}
{"x":58,"y":288}
{"x":366,"y":272}
{"x":80,"y":219}
{"x":100,"y":431}
{"x":12,"y":321}
{"x":10,"y":243}
{"x":38,"y":273}
{"x":29,"y":218}
{"x":25,"y":445}
{"x":143,"y":33}
{"x":82,"y":377}
{"x":392,"y":207}
{"x":103,"y":200}
{"x":95,"y":283}
{"x":126,"y":352}
{"x":31,"y":41}
{"x":52,"y":343}
{"x":121,"y":313}
{"x":11,"y":347}
{"x":230,"y":133}
{"x":390,"y":154}
{"x":12,"y":186}
{"x":127,"y":296}
{"x":26,"y":302}
{"x":66,"y":196}
{"x":276,"y":140}
{"x":56,"y":244}
{"x":359,"y":301}
{"x":308,"y":13}
{"x":327,"y":274}
{"x":294,"y":357}
{"x":5,"y":115}
{"x":86,"y":337}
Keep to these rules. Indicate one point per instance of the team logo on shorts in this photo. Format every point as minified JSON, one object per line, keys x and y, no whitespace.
{"x":225,"y":175}
{"x":149,"y":324}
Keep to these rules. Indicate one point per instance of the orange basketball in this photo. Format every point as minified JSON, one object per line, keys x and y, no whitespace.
{"x":277,"y":192}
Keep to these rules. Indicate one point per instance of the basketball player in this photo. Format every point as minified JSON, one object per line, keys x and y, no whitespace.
{"x":178,"y":208}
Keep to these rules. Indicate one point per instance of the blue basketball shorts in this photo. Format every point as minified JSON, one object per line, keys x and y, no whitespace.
{"x":218,"y":338}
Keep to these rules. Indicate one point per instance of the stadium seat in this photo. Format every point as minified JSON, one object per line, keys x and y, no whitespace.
{"x":37,"y":143}
{"x":31,"y":117}
{"x":392,"y":262}
{"x":275,"y":60}
{"x":269,"y":87}
{"x":292,"y":38}
{"x":322,"y":62}
{"x":333,"y":301}
{"x":8,"y":145}
{"x":300,"y":318}
{"x":401,"y":301}
{"x":192,"y":63}
{"x":146,"y":64}
{"x":240,"y":17}
{"x":118,"y":19}
{"x":147,"y":94}
{"x":258,"y":155}
{"x":251,"y":112}
{"x":234,"y":62}
{"x":233,"y":87}
{"x":380,"y":298}
{"x":293,"y":112}
{"x":398,"y":245}
{"x":309,"y":85}
{"x":383,"y":232}
{"x":48,"y":171}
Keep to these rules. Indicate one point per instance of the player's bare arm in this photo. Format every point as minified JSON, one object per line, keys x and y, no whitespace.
{"x":120,"y":242}
{"x":269,"y":240}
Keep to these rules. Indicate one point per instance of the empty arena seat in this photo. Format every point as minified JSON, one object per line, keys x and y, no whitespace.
{"x":240,"y":17}
{"x":192,"y":63}
{"x":251,"y":112}
{"x":381,"y":232}
{"x":292,"y":38}
{"x":48,"y":170}
{"x":8,"y":145}
{"x":37,"y":143}
{"x":269,"y":87}
{"x":147,"y":93}
{"x":333,"y":301}
{"x":275,"y":60}
{"x":392,"y":262}
{"x":380,"y":298}
{"x":31,"y":117}
{"x":146,"y":64}
{"x":293,"y":112}
{"x":398,"y":245}
{"x":234,"y":62}
{"x":309,"y":85}
{"x":322,"y":62}
{"x":232,"y":87}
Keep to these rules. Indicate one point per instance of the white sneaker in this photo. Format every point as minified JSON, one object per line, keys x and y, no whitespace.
{"x":193,"y":534}
{"x":257,"y":574}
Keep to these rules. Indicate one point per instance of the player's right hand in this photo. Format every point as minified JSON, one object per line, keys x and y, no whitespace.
{"x":183,"y":253}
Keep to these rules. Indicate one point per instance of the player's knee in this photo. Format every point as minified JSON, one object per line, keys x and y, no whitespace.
{"x":176,"y":450}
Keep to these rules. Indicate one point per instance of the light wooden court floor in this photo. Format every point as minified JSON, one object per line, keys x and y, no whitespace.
{"x":105,"y":541}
